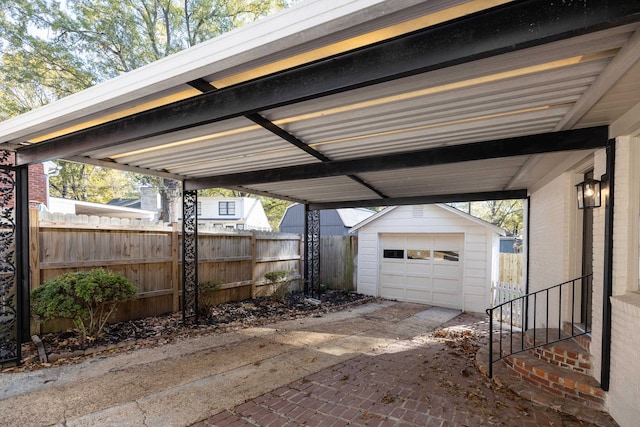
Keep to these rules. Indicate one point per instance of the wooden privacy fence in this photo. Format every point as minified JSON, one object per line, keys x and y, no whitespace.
{"x":232,"y":262}
{"x":338,"y":256}
{"x":508,"y":287}
{"x":511,"y":268}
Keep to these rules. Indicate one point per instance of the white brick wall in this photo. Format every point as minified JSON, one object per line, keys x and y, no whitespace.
{"x":551,"y":245}
{"x":624,"y":396}
{"x":624,"y":390}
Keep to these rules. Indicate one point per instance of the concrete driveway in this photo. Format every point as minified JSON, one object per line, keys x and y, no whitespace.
{"x":375,"y":364}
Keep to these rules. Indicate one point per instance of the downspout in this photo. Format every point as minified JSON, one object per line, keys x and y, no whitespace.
{"x":608,"y":180}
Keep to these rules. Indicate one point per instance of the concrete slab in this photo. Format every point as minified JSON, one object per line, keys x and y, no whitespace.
{"x":365,"y":366}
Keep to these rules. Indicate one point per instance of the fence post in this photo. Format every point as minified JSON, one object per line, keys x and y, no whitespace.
{"x":253,"y":264}
{"x":175,"y":267}
{"x":34,"y":260}
{"x":34,"y":248}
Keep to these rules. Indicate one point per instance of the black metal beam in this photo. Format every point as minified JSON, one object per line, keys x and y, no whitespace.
{"x":424,"y":200}
{"x":267,"y":124}
{"x":507,"y":28}
{"x":580,"y":139}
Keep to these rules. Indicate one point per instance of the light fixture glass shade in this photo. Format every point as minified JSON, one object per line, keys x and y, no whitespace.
{"x":588,"y":194}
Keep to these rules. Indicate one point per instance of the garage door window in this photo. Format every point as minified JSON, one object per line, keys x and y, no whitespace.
{"x":418,"y":254}
{"x":446,"y":256}
{"x":393,"y":253}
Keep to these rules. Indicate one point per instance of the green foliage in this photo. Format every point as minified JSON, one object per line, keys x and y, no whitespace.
{"x":88,"y":183}
{"x":88,"y":298}
{"x":279,"y":279}
{"x":506,"y":214}
{"x":51,"y":49}
{"x":276,"y":276}
{"x":322,"y":289}
{"x":209,"y":286}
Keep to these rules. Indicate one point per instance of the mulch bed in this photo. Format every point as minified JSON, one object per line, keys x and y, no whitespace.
{"x":67,"y":348}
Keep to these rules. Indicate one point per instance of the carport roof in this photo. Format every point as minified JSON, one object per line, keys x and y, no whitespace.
{"x":365,"y":102}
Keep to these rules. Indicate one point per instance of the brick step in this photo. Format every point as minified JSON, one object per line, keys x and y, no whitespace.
{"x":584,"y":340}
{"x":566,"y":354}
{"x":505,"y":376}
{"x":556,"y":380}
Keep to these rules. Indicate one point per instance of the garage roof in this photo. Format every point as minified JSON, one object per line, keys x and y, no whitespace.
{"x":365,"y":102}
{"x":493,"y":228}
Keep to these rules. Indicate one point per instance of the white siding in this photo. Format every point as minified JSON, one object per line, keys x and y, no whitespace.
{"x":477,"y":257}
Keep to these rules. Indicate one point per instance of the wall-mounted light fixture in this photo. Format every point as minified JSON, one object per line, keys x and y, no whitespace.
{"x":588,"y":194}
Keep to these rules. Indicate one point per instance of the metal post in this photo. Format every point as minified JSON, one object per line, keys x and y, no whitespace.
{"x":23,"y":285}
{"x":11,"y":271}
{"x":312,"y":250}
{"x":189,"y":256}
{"x":608,"y":193}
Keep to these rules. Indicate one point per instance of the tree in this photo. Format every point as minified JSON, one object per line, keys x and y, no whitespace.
{"x":78,"y":181}
{"x":53,"y":48}
{"x":506,"y":214}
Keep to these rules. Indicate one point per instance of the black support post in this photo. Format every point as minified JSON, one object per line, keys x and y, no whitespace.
{"x":13,"y":244}
{"x":189,"y":256}
{"x":312,"y":251}
{"x":608,"y":181}
{"x":23,"y":285}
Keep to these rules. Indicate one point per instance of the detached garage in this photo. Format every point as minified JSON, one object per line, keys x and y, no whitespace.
{"x":431,"y":254}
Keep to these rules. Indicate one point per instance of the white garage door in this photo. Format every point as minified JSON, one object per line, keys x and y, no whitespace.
{"x":424,"y":268}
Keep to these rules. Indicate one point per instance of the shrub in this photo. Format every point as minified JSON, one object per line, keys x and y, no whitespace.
{"x":279,"y":279}
{"x":88,"y":298}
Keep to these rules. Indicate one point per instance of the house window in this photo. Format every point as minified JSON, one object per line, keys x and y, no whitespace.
{"x":227,"y":208}
{"x":393,"y":253}
{"x":446,"y":256}
{"x":199,"y":209}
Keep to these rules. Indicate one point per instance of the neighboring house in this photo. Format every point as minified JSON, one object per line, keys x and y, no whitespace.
{"x":77,"y":207}
{"x":510,"y":245}
{"x":39,"y":174}
{"x":333,"y":222}
{"x":241,"y":213}
{"x":431,"y":254}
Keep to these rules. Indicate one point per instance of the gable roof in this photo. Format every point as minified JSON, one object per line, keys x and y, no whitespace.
{"x":448,"y":208}
{"x":352,"y":216}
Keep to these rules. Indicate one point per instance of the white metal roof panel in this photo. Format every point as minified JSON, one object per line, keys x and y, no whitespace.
{"x":565,"y":84}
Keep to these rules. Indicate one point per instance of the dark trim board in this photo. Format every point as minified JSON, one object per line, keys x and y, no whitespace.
{"x":581,"y":139}
{"x":424,"y":200}
{"x":507,"y":28}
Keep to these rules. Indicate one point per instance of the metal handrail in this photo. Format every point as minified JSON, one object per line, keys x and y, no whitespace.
{"x":530,"y":301}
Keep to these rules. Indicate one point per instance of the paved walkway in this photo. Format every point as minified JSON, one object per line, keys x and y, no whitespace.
{"x":376,"y":364}
{"x":428,"y":379}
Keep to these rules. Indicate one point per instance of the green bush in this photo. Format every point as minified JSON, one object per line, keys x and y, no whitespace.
{"x":280,"y":282}
{"x":88,"y":298}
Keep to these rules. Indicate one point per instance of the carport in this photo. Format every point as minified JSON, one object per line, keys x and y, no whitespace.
{"x":343,"y":104}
